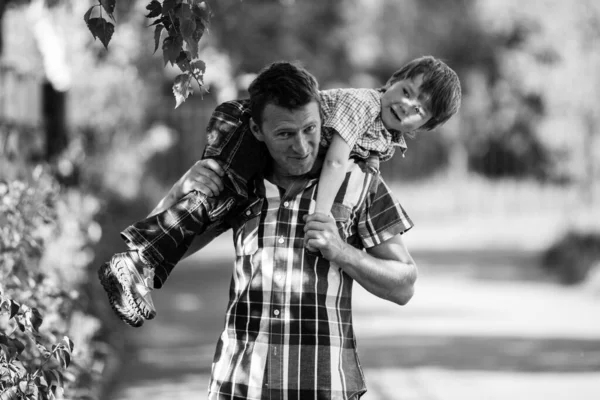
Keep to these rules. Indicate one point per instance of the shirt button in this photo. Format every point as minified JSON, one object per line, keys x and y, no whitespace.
{"x":248,"y":212}
{"x":276,"y":312}
{"x":286,"y":204}
{"x":281,"y":240}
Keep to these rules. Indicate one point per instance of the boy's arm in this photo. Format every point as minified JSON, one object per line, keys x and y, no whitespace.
{"x":204,"y":176}
{"x":332,"y":174}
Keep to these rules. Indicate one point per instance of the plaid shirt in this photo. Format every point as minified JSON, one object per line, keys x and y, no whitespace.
{"x":288,"y":326}
{"x":355,"y":114}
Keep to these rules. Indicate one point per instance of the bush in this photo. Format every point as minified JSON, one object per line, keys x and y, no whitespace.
{"x":44,"y":243}
{"x":571,"y":258}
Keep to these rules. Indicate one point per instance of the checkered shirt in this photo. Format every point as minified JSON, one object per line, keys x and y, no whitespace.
{"x":355,"y":114}
{"x":288,"y":326}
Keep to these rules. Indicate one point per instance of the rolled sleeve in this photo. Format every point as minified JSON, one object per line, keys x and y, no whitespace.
{"x":382,"y":217}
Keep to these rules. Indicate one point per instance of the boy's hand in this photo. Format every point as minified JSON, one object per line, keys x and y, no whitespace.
{"x":321,"y":234}
{"x":204,"y":176}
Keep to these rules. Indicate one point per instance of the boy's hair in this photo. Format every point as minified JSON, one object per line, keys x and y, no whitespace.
{"x":440,"y":84}
{"x":283,"y":84}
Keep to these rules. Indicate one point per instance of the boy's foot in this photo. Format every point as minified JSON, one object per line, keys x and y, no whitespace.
{"x":116,"y":298}
{"x":128,"y":285}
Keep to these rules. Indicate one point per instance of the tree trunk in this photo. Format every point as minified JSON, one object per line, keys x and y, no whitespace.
{"x":589,"y":178}
{"x":54,"y":117}
{"x":2,"y":8}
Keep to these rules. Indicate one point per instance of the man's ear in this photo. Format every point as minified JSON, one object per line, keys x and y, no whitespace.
{"x":256,"y":131}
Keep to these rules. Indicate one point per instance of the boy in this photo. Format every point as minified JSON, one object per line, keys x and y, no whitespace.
{"x":358,"y":123}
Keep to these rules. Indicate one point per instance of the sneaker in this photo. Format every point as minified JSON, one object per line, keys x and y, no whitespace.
{"x":128,"y":285}
{"x":116,"y":298}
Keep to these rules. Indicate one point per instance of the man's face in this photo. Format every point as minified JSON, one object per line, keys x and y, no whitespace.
{"x":292,"y":137}
{"x":403,"y":106}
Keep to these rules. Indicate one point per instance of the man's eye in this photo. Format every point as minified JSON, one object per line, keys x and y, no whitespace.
{"x":406,"y":94}
{"x":311,"y":129}
{"x":418,"y":110}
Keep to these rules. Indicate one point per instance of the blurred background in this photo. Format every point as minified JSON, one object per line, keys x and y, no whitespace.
{"x":505,"y":197}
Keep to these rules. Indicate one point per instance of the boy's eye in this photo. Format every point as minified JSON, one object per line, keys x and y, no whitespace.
{"x":418,"y":110}
{"x":406,"y":94}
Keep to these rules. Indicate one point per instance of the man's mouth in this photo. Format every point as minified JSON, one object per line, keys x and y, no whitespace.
{"x":301,"y":158}
{"x":395,"y":114}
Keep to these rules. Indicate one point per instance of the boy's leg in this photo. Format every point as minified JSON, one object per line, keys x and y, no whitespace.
{"x":156,"y":244}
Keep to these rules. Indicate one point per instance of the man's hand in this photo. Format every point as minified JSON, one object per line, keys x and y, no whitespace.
{"x":204,"y":176}
{"x":321,"y":234}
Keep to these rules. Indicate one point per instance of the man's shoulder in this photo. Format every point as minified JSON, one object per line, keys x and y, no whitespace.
{"x":360,"y":178}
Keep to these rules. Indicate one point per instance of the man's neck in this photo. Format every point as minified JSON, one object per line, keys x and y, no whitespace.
{"x":286,"y":181}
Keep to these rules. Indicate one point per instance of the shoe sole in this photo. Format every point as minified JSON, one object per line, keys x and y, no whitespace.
{"x":124,"y":272}
{"x":117,"y":301}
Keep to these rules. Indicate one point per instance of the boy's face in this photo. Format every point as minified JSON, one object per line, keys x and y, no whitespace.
{"x":403,"y":106}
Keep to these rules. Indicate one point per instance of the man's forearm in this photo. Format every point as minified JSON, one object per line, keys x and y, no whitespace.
{"x":388,"y":279}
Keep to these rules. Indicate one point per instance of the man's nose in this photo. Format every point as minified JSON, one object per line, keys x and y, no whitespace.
{"x":300,"y":144}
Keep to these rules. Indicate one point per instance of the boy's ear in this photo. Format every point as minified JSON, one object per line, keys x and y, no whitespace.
{"x":256,"y":131}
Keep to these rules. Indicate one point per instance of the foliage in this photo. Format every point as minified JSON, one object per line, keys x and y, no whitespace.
{"x":183,"y":21}
{"x":36,"y":304}
{"x":571,"y":258}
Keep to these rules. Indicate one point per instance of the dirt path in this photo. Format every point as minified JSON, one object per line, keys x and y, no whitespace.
{"x":481,"y":326}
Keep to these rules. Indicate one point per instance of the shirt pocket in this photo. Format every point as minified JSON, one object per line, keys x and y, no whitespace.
{"x":342,"y":213}
{"x":246,"y":234}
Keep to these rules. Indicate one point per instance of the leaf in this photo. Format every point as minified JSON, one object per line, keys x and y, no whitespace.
{"x":182,"y":88}
{"x":157,"y":32}
{"x":171,"y":49}
{"x":184,"y":12}
{"x":201,"y":11}
{"x":183,"y":62}
{"x":4,"y":350}
{"x":168,"y":5}
{"x":64,"y":357}
{"x":43,"y":349}
{"x":155,"y":9}
{"x":101,"y":29}
{"x":109,"y":6}
{"x":197,"y":69}
{"x":10,"y":394}
{"x":192,"y":47}
{"x":53,"y":377}
{"x":188,"y":27}
{"x":14,"y":308}
{"x":35,"y":318}
{"x":87,"y":15}
{"x":17,"y":345}
{"x":32,"y":391}
{"x":68,"y":343}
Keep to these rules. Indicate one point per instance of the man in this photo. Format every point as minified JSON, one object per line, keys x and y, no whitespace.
{"x":288,"y":327}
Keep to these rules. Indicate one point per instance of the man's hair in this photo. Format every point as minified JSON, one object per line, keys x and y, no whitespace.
{"x":283,"y":84}
{"x":441,"y":87}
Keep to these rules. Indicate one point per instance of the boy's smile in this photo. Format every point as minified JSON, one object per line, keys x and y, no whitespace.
{"x":404,"y":106}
